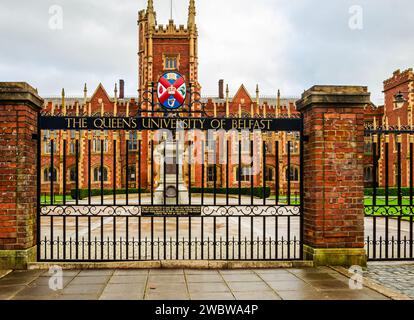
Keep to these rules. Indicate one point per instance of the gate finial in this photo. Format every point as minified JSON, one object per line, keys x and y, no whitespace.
{"x":278,"y":103}
{"x":85,"y":94}
{"x":227,"y":100}
{"x":63,"y":102}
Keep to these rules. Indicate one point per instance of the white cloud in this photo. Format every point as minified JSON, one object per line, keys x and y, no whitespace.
{"x":283,"y":44}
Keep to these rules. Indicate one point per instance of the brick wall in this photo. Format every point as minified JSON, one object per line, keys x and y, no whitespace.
{"x":333,"y":166}
{"x":18,"y":172}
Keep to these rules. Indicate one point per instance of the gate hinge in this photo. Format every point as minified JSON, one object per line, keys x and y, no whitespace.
{"x":35,"y":136}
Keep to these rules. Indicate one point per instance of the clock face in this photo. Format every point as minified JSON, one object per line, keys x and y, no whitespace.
{"x":171,"y":90}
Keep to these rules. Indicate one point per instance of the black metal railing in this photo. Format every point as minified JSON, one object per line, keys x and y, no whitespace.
{"x":177,"y":209}
{"x":389,"y":209}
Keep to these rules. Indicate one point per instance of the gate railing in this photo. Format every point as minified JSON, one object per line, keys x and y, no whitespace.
{"x":231,"y":194}
{"x":389,"y":209}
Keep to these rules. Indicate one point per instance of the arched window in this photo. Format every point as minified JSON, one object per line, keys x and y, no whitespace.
{"x":47,"y":177}
{"x":368,"y":174}
{"x":72,"y":174}
{"x":270,"y":173}
{"x":293,"y":173}
{"x":97,"y":174}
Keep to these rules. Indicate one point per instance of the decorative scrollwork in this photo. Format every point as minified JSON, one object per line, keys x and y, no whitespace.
{"x":390,"y":211}
{"x":251,"y":210}
{"x":94,"y":210}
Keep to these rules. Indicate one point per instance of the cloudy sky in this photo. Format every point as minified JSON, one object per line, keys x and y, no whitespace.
{"x":286,"y":44}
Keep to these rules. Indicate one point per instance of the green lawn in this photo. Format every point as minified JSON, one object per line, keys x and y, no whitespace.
{"x":381,"y":208}
{"x":58,"y":199}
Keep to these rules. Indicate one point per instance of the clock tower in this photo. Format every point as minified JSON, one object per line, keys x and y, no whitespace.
{"x":165,"y":48}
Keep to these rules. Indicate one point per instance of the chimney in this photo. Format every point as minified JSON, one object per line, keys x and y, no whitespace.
{"x":121,"y":89}
{"x":221,"y":89}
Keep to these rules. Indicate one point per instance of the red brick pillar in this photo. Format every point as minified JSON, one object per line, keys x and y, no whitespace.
{"x":19,"y":108}
{"x":333,"y":174}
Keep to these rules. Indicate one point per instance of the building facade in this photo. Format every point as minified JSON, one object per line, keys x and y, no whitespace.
{"x":127,"y":155}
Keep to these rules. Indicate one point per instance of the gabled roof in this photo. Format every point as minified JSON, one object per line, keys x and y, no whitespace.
{"x":99,"y":91}
{"x":242,"y":90}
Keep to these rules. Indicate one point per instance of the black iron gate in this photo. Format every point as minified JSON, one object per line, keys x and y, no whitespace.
{"x":389,"y":192}
{"x":158,"y":186}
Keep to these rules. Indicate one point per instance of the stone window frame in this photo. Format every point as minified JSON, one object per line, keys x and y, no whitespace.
{"x":56,"y":174}
{"x":96,"y":138}
{"x":296,"y":170}
{"x":133,"y":141}
{"x":369,"y":171}
{"x":245,"y":177}
{"x":107,"y":181}
{"x":273,"y":173}
{"x":166,"y":56}
{"x":69,"y":174}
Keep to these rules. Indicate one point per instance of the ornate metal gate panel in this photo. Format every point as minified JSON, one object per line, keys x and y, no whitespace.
{"x":169,"y":185}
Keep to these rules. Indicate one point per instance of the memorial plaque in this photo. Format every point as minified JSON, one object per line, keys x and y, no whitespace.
{"x":171,"y":210}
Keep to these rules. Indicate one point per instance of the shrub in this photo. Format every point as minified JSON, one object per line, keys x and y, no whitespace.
{"x":83,"y":193}
{"x":381,"y":192}
{"x":257,"y":192}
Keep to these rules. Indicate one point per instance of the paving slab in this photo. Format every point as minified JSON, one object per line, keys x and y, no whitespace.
{"x":128,"y":279}
{"x":208,"y":287}
{"x":244,"y":286}
{"x":263,"y":295}
{"x":134,"y":289}
{"x":83,"y":280}
{"x":167,"y":296}
{"x":169,"y":284}
{"x":212,"y":296}
{"x":210,"y":277}
{"x":84,"y":289}
{"x":90,"y":273}
{"x":143,"y":272}
{"x":8,"y":292}
{"x":289,"y":285}
{"x":248,"y":277}
{"x":166,"y":272}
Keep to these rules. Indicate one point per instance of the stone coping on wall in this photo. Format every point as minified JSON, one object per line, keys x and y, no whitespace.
{"x":324,"y":95}
{"x":20,"y":93}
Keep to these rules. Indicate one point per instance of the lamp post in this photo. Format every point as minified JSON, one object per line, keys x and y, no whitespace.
{"x":399,"y":99}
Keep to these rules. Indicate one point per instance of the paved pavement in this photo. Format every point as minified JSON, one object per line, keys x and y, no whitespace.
{"x":397,"y":276}
{"x":161,"y":284}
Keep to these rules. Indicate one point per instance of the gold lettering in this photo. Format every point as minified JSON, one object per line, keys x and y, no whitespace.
{"x":98,"y":123}
{"x":134,"y":124}
{"x":154,"y":124}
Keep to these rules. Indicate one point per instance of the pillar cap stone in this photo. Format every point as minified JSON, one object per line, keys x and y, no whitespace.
{"x":20,"y":93}
{"x":331,"y":96}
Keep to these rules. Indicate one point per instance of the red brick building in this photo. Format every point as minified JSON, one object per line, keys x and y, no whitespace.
{"x":392,"y":116}
{"x":171,"y":47}
{"x":161,"y":48}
